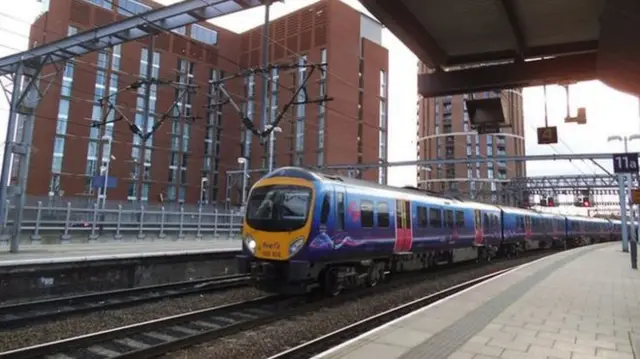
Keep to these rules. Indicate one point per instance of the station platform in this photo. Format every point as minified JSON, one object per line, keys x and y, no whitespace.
{"x":38,"y":254}
{"x":578,"y":304}
{"x":39,"y":271}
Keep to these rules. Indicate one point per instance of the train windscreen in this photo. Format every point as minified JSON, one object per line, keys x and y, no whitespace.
{"x":278,"y":208}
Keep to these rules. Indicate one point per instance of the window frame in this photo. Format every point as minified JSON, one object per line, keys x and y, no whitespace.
{"x":367,"y":214}
{"x":383,"y":215}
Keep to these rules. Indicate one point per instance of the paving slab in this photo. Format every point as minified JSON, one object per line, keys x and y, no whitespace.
{"x":583,"y":303}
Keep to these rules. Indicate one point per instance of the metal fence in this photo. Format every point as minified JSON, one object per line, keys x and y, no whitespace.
{"x":52,"y":220}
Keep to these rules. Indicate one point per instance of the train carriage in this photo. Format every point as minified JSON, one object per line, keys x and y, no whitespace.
{"x":305,"y":230}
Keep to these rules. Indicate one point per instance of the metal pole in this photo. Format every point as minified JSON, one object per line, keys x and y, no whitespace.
{"x":244,"y":181}
{"x":626,"y":140}
{"x":29,"y":107}
{"x":107,"y":164}
{"x":632,"y":229}
{"x":623,"y":211}
{"x":98,"y":191}
{"x":271,"y":148}
{"x":200,"y":199}
{"x":7,"y":158}
{"x":266,"y":73}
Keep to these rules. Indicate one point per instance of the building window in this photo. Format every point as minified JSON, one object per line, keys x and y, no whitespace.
{"x":132,"y":7}
{"x":322,"y":107}
{"x":141,"y":153}
{"x":107,"y":4}
{"x":182,"y":30}
{"x":273,"y":110}
{"x":105,"y":86}
{"x":180,"y":133}
{"x":383,"y":84}
{"x":250,"y":89}
{"x":213,"y":131}
{"x":203,"y":34}
{"x":300,"y":112}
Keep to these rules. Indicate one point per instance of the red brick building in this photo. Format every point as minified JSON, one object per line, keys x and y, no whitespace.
{"x":203,"y":138}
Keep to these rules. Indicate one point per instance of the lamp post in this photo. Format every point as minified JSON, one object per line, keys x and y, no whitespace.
{"x":203,"y":180}
{"x":272,"y":140}
{"x":623,"y":202}
{"x":243,"y":161}
{"x":105,"y":169}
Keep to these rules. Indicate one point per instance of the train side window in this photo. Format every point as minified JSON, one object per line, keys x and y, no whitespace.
{"x":435,"y":218}
{"x":423,"y":220}
{"x":366,"y":214}
{"x":407,"y":210}
{"x":485,"y":221}
{"x":448,"y":218}
{"x":326,"y":207}
{"x":459,"y":219}
{"x":340,"y":211}
{"x":383,"y":215}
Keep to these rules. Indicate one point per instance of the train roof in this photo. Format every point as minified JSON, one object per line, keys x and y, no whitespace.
{"x":582,"y":218}
{"x":530,"y":212}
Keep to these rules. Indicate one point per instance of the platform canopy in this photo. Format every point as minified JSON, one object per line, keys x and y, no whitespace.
{"x":477,"y":45}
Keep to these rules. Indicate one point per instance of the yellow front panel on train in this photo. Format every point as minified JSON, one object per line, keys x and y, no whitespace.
{"x":279,"y":216}
{"x":275,"y":246}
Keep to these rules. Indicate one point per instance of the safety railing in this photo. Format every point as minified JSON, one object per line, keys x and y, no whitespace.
{"x":68,"y":221}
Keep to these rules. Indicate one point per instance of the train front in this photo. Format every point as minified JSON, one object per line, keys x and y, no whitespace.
{"x":276,"y":227}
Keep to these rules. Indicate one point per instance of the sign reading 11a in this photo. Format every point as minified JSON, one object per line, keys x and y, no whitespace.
{"x":625,"y":163}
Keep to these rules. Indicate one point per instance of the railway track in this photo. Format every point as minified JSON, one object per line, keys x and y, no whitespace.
{"x":157,"y":337}
{"x":15,"y":315}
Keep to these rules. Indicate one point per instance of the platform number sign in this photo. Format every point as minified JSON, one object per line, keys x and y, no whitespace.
{"x":625,"y":163}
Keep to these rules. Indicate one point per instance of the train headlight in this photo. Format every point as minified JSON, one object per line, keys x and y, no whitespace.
{"x":250,"y":243}
{"x":296,"y":245}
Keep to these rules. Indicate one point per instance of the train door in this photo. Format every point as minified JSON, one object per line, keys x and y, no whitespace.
{"x":340,"y":209}
{"x":404,"y":236}
{"x":477,"y":226}
{"x":527,"y":227}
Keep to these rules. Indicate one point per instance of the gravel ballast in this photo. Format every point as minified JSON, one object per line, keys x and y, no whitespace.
{"x":270,"y":339}
{"x":107,"y":319}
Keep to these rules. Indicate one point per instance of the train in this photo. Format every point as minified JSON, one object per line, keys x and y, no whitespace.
{"x":305,"y":230}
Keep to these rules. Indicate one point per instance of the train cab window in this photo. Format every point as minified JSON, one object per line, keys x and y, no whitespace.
{"x":485,"y":221}
{"x":423,"y":220}
{"x":459,"y":219}
{"x":366,"y":214}
{"x":340,"y":211}
{"x":326,"y":208}
{"x":448,"y":218}
{"x":435,"y":218}
{"x":494,"y":221}
{"x":383,"y":215}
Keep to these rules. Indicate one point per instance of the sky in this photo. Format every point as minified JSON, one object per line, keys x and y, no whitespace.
{"x":609,"y":112}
